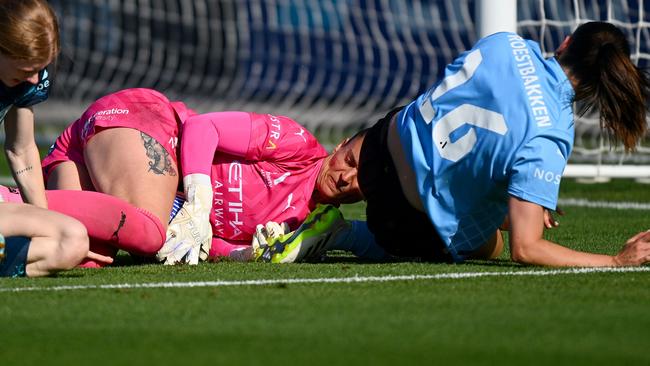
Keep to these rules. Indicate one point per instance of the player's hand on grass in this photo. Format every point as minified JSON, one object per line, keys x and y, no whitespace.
{"x":636,"y":250}
{"x":99,"y":257}
{"x":265,"y":234}
{"x":274,"y":243}
{"x":549,"y":219}
{"x":189,"y":234}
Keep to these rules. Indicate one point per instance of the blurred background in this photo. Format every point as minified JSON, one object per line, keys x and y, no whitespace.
{"x":332,"y":65}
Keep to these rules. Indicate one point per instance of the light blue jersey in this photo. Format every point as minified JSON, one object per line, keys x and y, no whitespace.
{"x":500,"y":123}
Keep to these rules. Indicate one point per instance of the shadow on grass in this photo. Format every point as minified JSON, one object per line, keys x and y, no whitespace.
{"x":124,"y":259}
{"x":348,"y":258}
{"x":500,"y":263}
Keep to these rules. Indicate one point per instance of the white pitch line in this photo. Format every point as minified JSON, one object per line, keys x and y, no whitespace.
{"x":355,"y":279}
{"x":581,"y":202}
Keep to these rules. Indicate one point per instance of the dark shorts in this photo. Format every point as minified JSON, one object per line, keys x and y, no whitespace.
{"x":398,"y":227}
{"x":15,"y":256}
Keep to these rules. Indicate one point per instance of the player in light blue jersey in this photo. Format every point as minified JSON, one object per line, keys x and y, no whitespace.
{"x":36,"y":242}
{"x":485,"y":148}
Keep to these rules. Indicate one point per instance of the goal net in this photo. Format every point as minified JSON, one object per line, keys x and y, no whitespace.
{"x":549,"y":22}
{"x":328,"y":64}
{"x":331,"y":65}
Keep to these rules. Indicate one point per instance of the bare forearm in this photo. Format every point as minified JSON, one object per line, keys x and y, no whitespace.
{"x":528,"y":246}
{"x":23,"y":156}
{"x":547,"y":253}
{"x":25,"y":166}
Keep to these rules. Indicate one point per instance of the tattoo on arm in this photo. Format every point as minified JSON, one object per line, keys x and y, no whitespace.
{"x":160,"y":162}
{"x":25,"y":170}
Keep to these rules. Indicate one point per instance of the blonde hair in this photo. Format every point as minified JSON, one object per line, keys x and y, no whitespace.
{"x":28,"y":31}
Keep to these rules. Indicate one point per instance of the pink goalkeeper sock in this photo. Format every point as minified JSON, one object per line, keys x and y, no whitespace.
{"x":10,"y":195}
{"x":111,"y":219}
{"x":107,"y":218}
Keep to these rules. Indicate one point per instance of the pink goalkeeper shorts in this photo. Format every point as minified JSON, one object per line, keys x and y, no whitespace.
{"x":144,"y":110}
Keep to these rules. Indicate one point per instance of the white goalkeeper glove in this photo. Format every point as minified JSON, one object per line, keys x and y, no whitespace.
{"x":266,"y":233}
{"x":311,"y":240}
{"x":189,"y":234}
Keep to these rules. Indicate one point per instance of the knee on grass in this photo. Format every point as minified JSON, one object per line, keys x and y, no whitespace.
{"x":63,"y":252}
{"x":74,"y":246}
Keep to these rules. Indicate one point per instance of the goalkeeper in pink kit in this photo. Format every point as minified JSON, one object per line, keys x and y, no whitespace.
{"x":244,"y":169}
{"x":239,"y":170}
{"x":113,"y":148}
{"x":259,"y":168}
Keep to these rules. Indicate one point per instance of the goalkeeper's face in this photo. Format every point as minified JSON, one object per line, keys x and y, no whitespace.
{"x":337,"y":180}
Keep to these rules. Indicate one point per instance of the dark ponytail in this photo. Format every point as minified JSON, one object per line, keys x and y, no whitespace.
{"x":597,"y":58}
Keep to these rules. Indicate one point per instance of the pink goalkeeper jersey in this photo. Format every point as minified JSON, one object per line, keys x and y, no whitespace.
{"x":274,"y":181}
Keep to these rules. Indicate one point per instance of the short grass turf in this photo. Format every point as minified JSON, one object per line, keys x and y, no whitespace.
{"x":565,"y":319}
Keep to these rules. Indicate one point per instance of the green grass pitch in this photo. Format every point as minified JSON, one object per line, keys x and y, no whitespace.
{"x":514,"y":315}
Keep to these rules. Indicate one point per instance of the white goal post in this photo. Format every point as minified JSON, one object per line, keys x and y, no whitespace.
{"x":502,"y":15}
{"x":334,"y":66}
{"x":494,"y":16}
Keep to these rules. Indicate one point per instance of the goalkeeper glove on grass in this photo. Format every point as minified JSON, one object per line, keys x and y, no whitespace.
{"x":189,"y":234}
{"x":272,"y":243}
